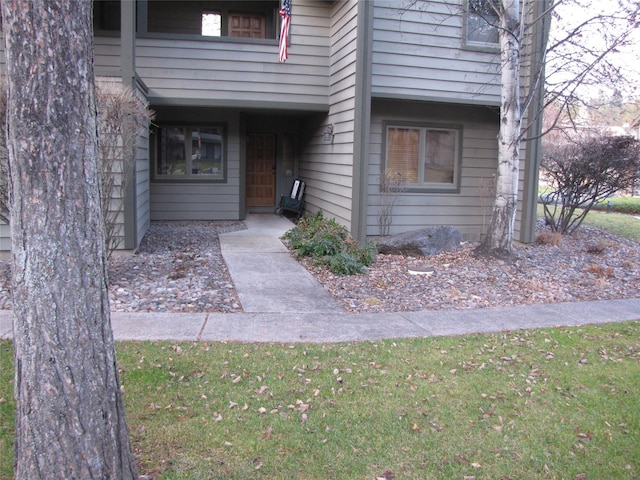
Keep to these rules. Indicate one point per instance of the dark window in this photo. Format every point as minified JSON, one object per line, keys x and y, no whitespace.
{"x":106,"y":15}
{"x":191,"y":152}
{"x":245,"y":19}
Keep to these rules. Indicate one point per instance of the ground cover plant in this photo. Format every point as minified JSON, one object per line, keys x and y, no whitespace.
{"x":329,"y":243}
{"x":551,"y":403}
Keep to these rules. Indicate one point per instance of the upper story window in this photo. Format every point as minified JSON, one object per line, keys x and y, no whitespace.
{"x":190,"y":152}
{"x":106,"y":15}
{"x":425,"y":157}
{"x":242,"y":19}
{"x":481,"y":24}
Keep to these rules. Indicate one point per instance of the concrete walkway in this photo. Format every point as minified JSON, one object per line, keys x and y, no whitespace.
{"x":282,"y":302}
{"x":267,"y":278}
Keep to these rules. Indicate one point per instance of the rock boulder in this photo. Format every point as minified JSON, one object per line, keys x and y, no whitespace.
{"x":418,"y":243}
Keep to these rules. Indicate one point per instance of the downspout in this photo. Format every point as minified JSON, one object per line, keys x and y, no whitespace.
{"x":534,"y":155}
{"x":362,"y":120}
{"x":128,"y":67}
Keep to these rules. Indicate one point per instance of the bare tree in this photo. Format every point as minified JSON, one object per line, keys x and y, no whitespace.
{"x":567,"y":63}
{"x":70,"y":419}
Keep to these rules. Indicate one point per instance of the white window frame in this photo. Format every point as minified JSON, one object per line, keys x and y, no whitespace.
{"x":472,"y":16}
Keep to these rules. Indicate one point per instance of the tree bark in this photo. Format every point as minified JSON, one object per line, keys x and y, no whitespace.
{"x":498,"y":240}
{"x":70,"y":419}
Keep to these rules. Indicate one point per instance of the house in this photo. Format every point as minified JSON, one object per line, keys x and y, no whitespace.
{"x":370,"y":86}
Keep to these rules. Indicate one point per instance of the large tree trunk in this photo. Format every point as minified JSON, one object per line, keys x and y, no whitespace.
{"x":498,"y":240}
{"x":70,"y":419}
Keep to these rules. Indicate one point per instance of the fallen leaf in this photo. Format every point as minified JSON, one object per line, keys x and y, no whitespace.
{"x":262,"y":389}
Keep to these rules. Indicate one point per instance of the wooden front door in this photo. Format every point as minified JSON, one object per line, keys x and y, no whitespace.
{"x":261,"y":170}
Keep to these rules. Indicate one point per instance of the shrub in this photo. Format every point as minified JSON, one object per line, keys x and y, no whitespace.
{"x":584,"y":173}
{"x":597,"y":248}
{"x":549,"y":238}
{"x":328,"y":242}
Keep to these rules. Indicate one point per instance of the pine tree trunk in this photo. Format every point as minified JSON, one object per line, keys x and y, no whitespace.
{"x":498,"y":240}
{"x":70,"y":421}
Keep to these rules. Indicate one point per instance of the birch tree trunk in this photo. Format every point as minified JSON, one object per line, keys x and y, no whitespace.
{"x":70,"y":420}
{"x":498,"y":240}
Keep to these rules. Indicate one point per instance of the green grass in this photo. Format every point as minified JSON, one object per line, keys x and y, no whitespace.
{"x":626,"y":226}
{"x":628,"y":205}
{"x":621,"y":224}
{"x":552,"y":403}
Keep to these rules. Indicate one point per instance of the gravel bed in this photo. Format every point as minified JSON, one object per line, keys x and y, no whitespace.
{"x":589,"y":265}
{"x":179,"y":268}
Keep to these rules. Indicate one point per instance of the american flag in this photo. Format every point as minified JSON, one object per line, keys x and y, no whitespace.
{"x":285,"y":13}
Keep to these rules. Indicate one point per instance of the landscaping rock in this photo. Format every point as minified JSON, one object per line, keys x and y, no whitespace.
{"x":417,"y":243}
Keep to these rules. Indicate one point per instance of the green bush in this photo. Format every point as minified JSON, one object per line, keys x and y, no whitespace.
{"x":328,"y":242}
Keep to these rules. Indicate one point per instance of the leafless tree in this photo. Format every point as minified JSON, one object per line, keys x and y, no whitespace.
{"x":565,"y":64}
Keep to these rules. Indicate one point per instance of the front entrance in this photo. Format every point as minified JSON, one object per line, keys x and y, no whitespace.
{"x":261,"y":170}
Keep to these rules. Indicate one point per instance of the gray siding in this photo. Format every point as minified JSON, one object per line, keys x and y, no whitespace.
{"x":232,"y":72}
{"x":328,"y":167}
{"x":418,"y":52}
{"x":467,"y":210}
{"x":107,"y":56}
{"x":142,"y":180}
{"x":5,"y":237}
{"x":180,"y":201}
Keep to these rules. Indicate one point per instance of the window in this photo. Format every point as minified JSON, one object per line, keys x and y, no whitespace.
{"x":238,"y":18}
{"x":481,"y":24}
{"x":424,"y":157}
{"x":106,"y":15}
{"x":191,"y":152}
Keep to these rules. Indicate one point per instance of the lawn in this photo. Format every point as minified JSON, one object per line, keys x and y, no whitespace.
{"x":552,"y":403}
{"x":623,"y":224}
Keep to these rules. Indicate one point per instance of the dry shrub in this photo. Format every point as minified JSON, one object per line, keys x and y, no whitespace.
{"x":600,"y":271}
{"x":122,"y":117}
{"x":597,"y":248}
{"x":549,"y":238}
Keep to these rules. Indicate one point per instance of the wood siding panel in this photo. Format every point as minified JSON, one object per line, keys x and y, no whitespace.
{"x":418,"y":52}
{"x":328,"y":167}
{"x":179,"y":201}
{"x":143,"y":205}
{"x":467,"y":210}
{"x":233,"y":71}
{"x":5,"y":238}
